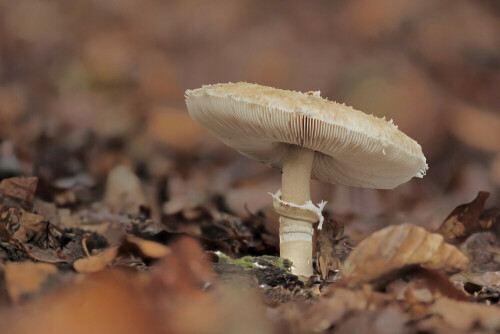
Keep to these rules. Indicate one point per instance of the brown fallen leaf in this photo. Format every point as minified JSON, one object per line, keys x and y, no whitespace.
{"x":106,"y":302}
{"x":18,"y":192}
{"x":9,"y":218}
{"x":326,"y":257}
{"x":329,"y":310}
{"x":437,"y":283}
{"x":387,"y":320}
{"x":490,"y":219}
{"x":464,"y":219}
{"x":26,"y":277}
{"x":42,"y":255}
{"x":97,"y":262}
{"x":396,"y":247}
{"x":185,"y":270}
{"x":183,"y":286}
{"x":48,"y":210}
{"x":29,"y":225}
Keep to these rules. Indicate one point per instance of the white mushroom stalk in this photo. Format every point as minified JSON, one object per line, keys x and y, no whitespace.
{"x":296,"y":233}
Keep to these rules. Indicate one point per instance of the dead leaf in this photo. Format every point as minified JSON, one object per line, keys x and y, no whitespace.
{"x":396,"y":247}
{"x":26,"y":277}
{"x":464,"y":316}
{"x":124,"y":192}
{"x":483,"y":249}
{"x":42,"y":255}
{"x":18,"y":192}
{"x":326,"y":257}
{"x":437,"y":283}
{"x":130,"y":246}
{"x":47,"y":210}
{"x":97,"y":262}
{"x":29,"y":225}
{"x":147,"y":248}
{"x":185,"y":269}
{"x":477,"y":282}
{"x":464,"y":220}
{"x":328,"y":310}
{"x":387,"y":320}
{"x":107,"y":302}
{"x":490,"y":219}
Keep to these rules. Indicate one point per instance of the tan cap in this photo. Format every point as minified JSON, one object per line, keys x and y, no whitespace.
{"x":352,"y":148}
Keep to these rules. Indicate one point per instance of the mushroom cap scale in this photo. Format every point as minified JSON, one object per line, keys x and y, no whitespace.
{"x":352,"y":148}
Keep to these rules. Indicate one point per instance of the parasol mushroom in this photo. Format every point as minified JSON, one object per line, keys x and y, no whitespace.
{"x":306,"y":136}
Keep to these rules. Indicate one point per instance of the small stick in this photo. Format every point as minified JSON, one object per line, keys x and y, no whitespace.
{"x":85,"y":249}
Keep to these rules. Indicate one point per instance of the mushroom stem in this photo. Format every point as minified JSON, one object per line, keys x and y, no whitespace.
{"x":296,"y":235}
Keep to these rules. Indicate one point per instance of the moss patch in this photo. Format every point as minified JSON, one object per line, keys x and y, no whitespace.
{"x":256,"y":262}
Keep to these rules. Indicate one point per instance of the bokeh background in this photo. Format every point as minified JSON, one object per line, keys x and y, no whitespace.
{"x":87,"y":85}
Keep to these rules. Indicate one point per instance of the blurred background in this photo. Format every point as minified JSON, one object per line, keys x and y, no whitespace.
{"x":89,"y":85}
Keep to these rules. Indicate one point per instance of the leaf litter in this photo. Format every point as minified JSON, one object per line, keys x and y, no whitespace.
{"x":112,"y":220}
{"x":401,"y":272}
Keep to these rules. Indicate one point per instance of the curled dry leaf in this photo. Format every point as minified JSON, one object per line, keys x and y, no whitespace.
{"x":147,"y":248}
{"x":472,"y":283}
{"x":396,"y":247}
{"x":131,"y":245}
{"x":465,"y":219}
{"x":26,"y":277}
{"x":96,"y":262}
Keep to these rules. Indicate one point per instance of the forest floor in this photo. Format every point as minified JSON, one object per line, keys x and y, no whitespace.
{"x":118,"y":214}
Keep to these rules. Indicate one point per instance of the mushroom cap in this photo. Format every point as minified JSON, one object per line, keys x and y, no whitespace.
{"x":352,"y":148}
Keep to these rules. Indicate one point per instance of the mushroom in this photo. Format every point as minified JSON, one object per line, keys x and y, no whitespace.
{"x":306,"y":136}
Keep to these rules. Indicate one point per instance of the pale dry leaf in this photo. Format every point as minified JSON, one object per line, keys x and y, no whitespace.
{"x":26,"y":277}
{"x":124,"y":192}
{"x":149,"y":248}
{"x":96,"y":262}
{"x":489,"y":279}
{"x":465,"y":316}
{"x":399,"y":246}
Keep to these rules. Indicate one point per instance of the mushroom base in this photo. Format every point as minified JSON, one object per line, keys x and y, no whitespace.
{"x":296,"y":244}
